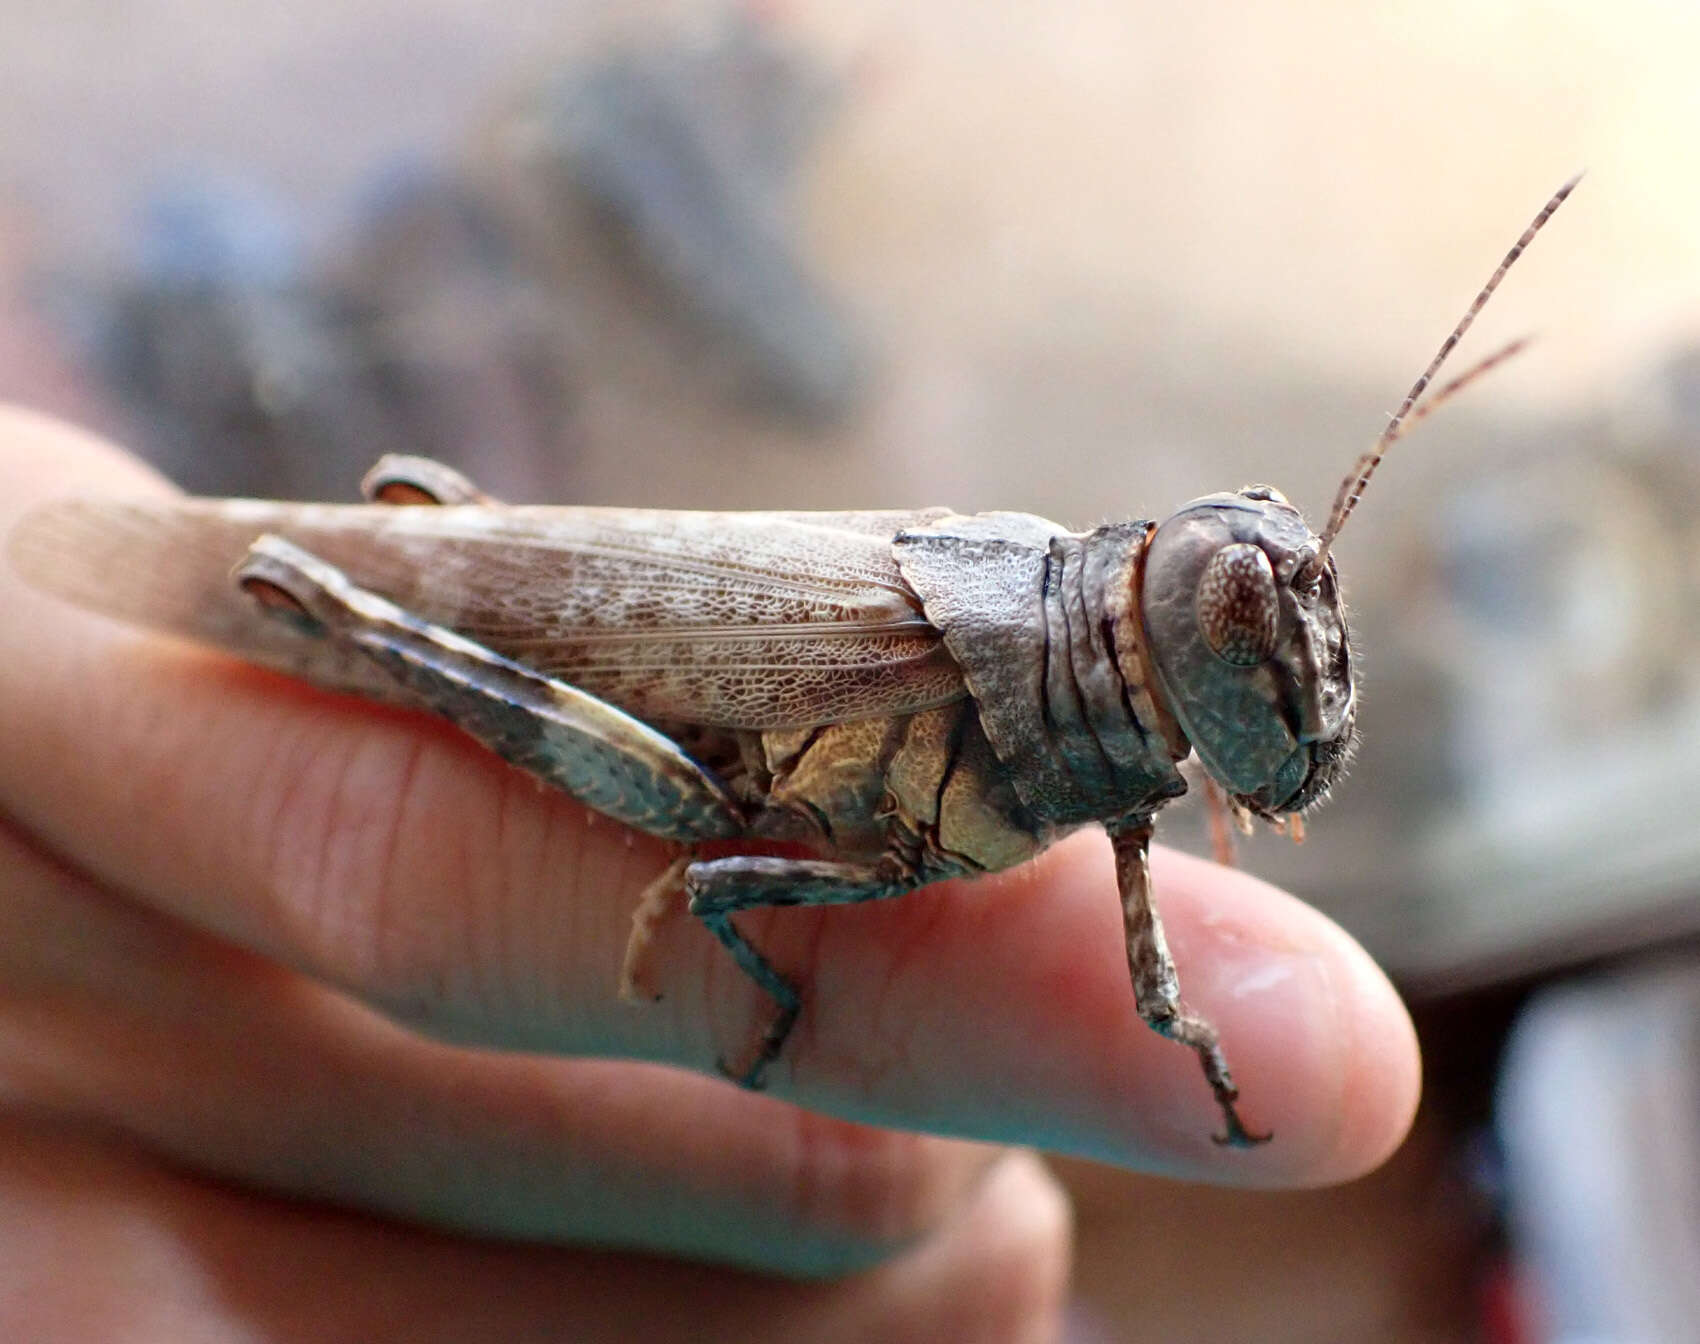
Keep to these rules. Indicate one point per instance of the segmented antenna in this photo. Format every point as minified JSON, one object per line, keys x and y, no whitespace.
{"x":1352,"y":487}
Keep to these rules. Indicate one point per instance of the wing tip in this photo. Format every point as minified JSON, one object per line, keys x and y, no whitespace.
{"x":47,"y":547}
{"x":105,"y":555}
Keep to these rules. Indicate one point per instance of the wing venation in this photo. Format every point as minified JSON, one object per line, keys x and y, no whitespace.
{"x":729,"y":620}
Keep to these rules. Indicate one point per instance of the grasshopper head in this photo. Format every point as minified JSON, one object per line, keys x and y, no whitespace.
{"x":1242,"y":610}
{"x":1249,"y":643}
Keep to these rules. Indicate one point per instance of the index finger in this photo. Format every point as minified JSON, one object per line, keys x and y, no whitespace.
{"x":384,"y":853}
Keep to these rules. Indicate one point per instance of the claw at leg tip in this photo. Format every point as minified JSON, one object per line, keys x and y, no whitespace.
{"x":751,"y":1079}
{"x":1238,"y":1136}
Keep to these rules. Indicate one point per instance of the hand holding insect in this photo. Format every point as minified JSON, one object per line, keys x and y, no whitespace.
{"x":913,"y":696}
{"x":395,"y":862}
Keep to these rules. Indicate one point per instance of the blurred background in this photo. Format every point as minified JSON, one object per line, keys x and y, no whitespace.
{"x":1086,"y":260}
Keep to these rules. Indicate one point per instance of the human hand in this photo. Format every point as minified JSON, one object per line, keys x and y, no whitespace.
{"x":307,"y":1030}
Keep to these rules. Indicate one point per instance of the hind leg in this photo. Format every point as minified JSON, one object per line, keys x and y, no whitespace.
{"x":581,"y":745}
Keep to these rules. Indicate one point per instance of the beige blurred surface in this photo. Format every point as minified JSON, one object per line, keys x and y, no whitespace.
{"x":1319,"y":180}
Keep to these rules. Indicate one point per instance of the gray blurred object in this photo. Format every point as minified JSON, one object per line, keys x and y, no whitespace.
{"x":459,"y":345}
{"x":1560,"y":610}
{"x":215,"y":344}
{"x":247,"y":371}
{"x":1599,"y":1121}
{"x":682,"y":154}
{"x":1559,"y":586}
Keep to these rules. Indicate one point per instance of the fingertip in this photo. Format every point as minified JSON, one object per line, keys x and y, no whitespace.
{"x":1382,"y":1065}
{"x":1322,"y":1046}
{"x":42,"y":455}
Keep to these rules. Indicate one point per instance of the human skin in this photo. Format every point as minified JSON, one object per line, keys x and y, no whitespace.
{"x":308,"y":1031}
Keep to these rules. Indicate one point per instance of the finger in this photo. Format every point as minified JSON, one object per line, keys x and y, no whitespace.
{"x":95,"y":1244}
{"x":164,"y":1037}
{"x":389,"y":855}
{"x":116,"y":1017}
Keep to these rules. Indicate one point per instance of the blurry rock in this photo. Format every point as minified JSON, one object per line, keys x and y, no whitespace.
{"x":680,"y":156}
{"x":239,"y":375}
{"x":461,"y":347}
{"x":1599,"y":1117}
{"x":244,"y":370}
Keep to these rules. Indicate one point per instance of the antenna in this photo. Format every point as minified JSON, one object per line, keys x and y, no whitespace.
{"x":1352,"y":487}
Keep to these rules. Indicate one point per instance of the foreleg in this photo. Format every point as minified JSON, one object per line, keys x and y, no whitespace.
{"x":1156,"y":988}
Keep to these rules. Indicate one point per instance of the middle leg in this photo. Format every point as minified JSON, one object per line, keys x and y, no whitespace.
{"x":720,"y":887}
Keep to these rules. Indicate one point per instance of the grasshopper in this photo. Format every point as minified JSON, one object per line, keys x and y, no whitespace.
{"x":913,"y":695}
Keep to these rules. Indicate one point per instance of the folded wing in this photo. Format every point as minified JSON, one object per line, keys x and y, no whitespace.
{"x":737,"y":620}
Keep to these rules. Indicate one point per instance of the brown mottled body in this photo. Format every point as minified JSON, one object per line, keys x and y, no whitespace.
{"x":913,"y":695}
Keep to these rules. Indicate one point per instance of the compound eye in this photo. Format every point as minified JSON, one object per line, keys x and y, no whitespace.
{"x":1238,"y":606}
